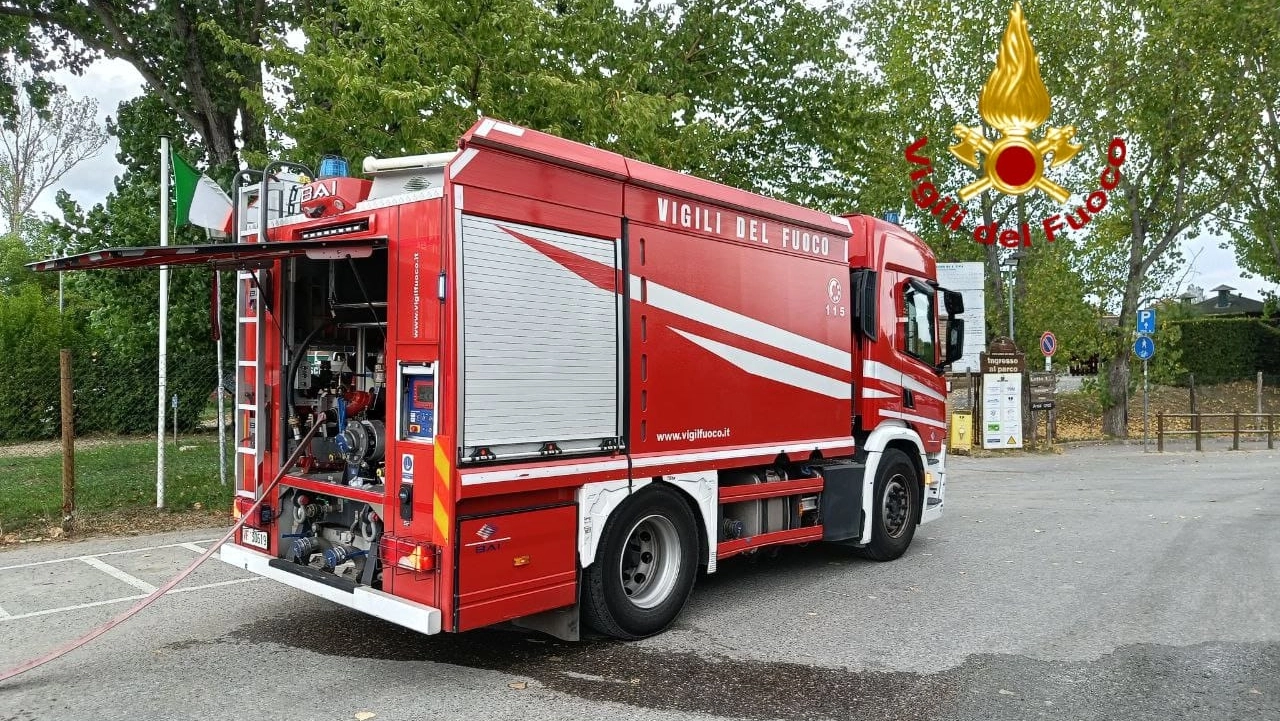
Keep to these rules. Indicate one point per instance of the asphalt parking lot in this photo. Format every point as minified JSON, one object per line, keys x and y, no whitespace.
{"x":1102,"y":583}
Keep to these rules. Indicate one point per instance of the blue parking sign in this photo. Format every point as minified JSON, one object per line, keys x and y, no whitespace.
{"x":1147,"y":320}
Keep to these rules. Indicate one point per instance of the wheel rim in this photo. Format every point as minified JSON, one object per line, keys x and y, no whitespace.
{"x":896,"y":507}
{"x":650,"y":562}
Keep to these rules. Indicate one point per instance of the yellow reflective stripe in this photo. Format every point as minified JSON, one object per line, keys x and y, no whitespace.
{"x":444,"y":480}
{"x":444,"y":472}
{"x":442,"y":520}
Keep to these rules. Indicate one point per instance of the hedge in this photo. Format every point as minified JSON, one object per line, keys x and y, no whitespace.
{"x":1218,"y":350}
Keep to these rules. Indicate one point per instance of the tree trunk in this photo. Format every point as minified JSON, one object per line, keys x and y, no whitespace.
{"x":1115,"y":413}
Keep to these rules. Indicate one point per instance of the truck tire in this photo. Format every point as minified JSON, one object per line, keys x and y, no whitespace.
{"x":895,"y":510}
{"x":644,"y":568}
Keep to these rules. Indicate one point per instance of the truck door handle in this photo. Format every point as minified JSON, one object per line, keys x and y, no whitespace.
{"x":908,"y":400}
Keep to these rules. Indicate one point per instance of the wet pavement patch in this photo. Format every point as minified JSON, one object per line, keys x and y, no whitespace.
{"x":601,"y":670}
{"x":1135,"y":682}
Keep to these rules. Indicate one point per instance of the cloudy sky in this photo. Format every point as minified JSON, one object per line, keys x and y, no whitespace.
{"x":111,"y":81}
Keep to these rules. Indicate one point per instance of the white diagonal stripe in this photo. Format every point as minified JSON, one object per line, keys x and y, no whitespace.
{"x":882,"y":372}
{"x":914,"y":419}
{"x":122,"y":599}
{"x":758,"y":365}
{"x":877,"y":393}
{"x":116,"y":573}
{"x":701,"y":311}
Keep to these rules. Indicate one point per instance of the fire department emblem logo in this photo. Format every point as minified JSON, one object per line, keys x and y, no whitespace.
{"x":486,"y":531}
{"x":1015,"y":102}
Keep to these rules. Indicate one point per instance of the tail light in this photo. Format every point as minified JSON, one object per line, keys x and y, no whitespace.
{"x":408,"y":554}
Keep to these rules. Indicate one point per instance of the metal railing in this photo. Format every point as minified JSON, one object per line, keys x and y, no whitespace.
{"x":1236,"y":430}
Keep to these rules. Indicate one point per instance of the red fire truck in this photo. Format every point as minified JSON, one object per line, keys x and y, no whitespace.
{"x":534,"y":381}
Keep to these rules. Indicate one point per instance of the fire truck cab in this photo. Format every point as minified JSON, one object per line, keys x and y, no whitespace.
{"x":531,"y":380}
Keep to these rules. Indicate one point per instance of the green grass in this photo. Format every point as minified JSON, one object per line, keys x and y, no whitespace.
{"x":118,"y":475}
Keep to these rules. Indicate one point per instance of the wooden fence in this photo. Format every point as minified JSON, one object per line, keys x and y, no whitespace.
{"x":1165,"y":423}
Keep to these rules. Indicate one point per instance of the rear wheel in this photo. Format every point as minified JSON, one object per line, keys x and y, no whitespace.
{"x":895,"y":509}
{"x":644,"y":568}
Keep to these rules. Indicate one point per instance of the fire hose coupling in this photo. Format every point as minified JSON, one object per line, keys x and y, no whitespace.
{"x":337,"y":555}
{"x":304,"y":548}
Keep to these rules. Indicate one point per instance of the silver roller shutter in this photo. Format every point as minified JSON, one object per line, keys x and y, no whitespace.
{"x":540,"y":343}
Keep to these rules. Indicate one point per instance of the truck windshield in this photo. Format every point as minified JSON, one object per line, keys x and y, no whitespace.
{"x":919,"y":341}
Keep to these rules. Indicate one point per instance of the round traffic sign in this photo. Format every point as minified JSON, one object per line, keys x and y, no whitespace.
{"x":1144,"y":347}
{"x":1048,"y":343}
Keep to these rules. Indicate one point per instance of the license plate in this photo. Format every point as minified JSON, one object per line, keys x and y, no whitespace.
{"x":254,"y":537}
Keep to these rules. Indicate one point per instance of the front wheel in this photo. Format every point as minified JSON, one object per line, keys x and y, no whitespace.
{"x":644,"y":568}
{"x":896,"y":507}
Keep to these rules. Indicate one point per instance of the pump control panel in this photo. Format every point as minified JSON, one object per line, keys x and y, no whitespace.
{"x":418,"y":404}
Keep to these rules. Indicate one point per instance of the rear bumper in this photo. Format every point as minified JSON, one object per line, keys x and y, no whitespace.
{"x":410,"y":614}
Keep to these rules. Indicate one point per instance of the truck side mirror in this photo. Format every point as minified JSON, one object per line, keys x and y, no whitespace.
{"x":955,"y":340}
{"x":953,"y":301}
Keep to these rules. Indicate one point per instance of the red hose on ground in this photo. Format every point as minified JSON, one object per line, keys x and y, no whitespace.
{"x":73,"y":645}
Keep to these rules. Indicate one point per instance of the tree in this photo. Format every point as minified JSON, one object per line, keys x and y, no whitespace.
{"x":931,"y":72}
{"x":177,"y":47}
{"x":1255,"y":224}
{"x":39,"y":146}
{"x":120,"y":305}
{"x":703,"y":86}
{"x":1164,"y":78}
{"x":1182,"y":135}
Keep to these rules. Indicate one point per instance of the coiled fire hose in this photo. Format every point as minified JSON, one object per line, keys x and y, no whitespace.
{"x":143,"y":603}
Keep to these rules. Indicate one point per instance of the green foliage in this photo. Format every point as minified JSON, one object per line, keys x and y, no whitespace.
{"x":31,"y":332}
{"x":1218,"y":350}
{"x":1255,"y":223}
{"x":1051,"y":297}
{"x":178,"y":48}
{"x":1167,"y":367}
{"x":705,"y":86}
{"x":113,"y":477}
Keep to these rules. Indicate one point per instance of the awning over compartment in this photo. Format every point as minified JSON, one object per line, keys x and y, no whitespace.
{"x":224,"y":255}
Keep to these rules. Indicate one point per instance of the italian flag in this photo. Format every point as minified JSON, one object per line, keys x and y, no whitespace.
{"x":200,"y":201}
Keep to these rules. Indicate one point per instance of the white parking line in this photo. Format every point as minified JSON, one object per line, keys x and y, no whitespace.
{"x":3,"y":613}
{"x":116,"y":573}
{"x":107,"y":553}
{"x":192,"y":547}
{"x":122,"y":599}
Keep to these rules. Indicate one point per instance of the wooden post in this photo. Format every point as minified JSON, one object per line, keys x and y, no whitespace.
{"x":1160,"y":432}
{"x":1192,"y":388}
{"x":68,"y":443}
{"x":1259,"y":410}
{"x":1271,"y":420}
{"x":1235,"y":431}
{"x":1195,"y":422}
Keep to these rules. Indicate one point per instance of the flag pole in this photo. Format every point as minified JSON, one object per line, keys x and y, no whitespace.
{"x":222,"y":422}
{"x":163,"y":381}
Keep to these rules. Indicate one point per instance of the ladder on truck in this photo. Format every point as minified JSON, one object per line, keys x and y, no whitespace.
{"x":251,"y":422}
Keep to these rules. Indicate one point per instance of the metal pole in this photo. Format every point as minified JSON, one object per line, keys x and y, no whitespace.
{"x":222,"y":414}
{"x":162,"y":380}
{"x":68,"y":444}
{"x":1144,"y":406}
{"x":1010,"y":284}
